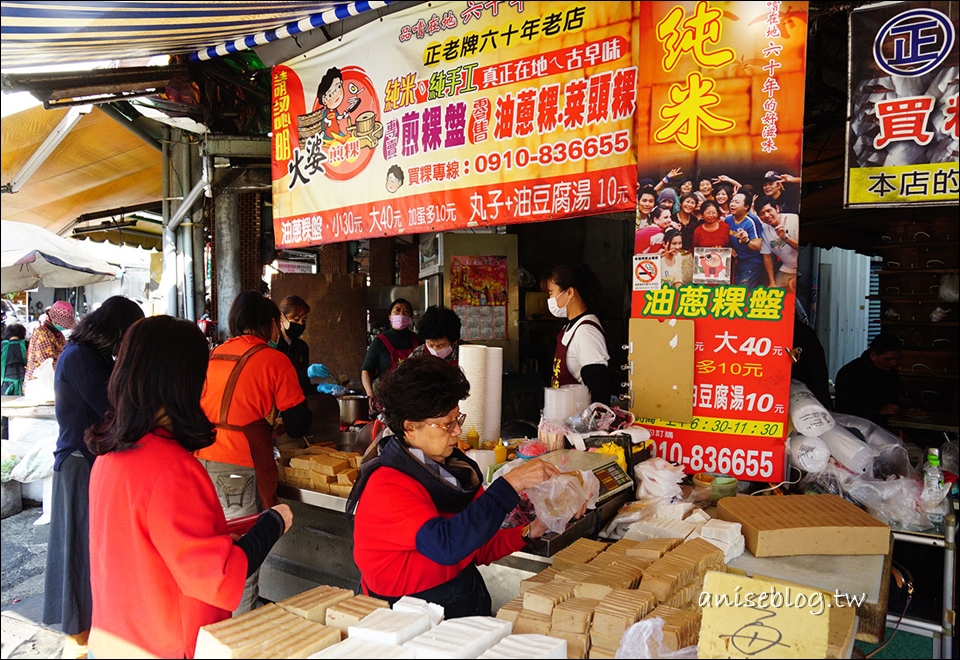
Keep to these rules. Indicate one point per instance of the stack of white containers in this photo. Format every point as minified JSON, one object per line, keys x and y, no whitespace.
{"x":483,"y":367}
{"x":562,"y":402}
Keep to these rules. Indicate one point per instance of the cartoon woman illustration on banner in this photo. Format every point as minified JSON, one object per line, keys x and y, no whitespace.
{"x":330,"y":97}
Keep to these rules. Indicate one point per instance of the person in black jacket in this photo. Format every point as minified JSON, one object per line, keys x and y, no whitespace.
{"x":869,"y":386}
{"x":293,"y":322}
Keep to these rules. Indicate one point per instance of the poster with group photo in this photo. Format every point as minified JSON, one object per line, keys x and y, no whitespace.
{"x":719,"y":133}
{"x":465,"y":114}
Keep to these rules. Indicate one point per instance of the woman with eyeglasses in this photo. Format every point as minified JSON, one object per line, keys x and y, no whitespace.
{"x":423,"y":521}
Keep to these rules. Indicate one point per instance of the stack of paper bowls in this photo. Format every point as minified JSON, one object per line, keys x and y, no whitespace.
{"x":558,"y":403}
{"x":473,"y":362}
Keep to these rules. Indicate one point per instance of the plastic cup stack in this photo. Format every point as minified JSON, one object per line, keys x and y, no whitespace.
{"x":492,"y":394}
{"x":581,"y":396}
{"x":473,"y":362}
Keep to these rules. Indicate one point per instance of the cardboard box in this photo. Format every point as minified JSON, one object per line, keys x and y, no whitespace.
{"x":805,"y":525}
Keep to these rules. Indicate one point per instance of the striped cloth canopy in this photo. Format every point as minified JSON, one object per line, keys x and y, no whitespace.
{"x":58,"y":32}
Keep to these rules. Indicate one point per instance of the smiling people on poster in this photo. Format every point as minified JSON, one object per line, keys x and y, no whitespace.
{"x":581,"y":353}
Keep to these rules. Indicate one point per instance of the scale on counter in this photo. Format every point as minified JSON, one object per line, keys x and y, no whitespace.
{"x":612,"y":477}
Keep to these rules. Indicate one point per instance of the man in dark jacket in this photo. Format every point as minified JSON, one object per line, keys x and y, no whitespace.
{"x":869,"y":386}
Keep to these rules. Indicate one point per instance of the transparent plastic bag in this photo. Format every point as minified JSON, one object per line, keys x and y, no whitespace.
{"x":644,"y":639}
{"x":560,"y":498}
{"x":894,"y":501}
{"x":657,"y":477}
{"x":630,"y":513}
{"x":893,"y":460}
{"x":949,"y":456}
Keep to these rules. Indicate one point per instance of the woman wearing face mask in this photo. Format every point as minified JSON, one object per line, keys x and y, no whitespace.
{"x":390,"y":348}
{"x":293,"y":322}
{"x":248,"y":381}
{"x":47,"y":341}
{"x":439,"y":330}
{"x":80,"y":384}
{"x":581,"y":354}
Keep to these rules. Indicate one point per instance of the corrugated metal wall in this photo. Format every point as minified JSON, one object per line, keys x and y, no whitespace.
{"x":842,"y":321}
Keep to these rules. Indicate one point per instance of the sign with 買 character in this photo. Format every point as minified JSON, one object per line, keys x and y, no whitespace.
{"x":455,"y":115}
{"x":902,"y":132}
{"x":719,"y":140}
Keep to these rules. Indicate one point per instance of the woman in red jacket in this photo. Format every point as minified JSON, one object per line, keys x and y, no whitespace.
{"x":162,"y":563}
{"x":423,"y":519}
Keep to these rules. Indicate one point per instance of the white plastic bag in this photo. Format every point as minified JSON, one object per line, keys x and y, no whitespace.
{"x":560,"y":498}
{"x":658,"y":478}
{"x":40,"y":387}
{"x":808,"y":415}
{"x":37,"y":463}
{"x":644,"y":639}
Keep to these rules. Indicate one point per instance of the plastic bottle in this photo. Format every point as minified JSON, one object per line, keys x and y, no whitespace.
{"x":500,"y":452}
{"x":933,"y":494}
{"x":473,"y":438}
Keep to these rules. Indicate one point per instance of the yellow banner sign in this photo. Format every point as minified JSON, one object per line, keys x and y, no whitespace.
{"x":922,"y":183}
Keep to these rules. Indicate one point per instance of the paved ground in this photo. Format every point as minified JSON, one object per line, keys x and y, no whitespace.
{"x":24,"y":550}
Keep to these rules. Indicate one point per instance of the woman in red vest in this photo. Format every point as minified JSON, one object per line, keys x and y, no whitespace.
{"x":581,"y":354}
{"x":162,"y":561}
{"x":390,"y":348}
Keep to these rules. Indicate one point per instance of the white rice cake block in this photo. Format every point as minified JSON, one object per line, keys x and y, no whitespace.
{"x":358,"y":648}
{"x":389,"y":627}
{"x":731,"y":550}
{"x":698,"y":516}
{"x":527,"y":646}
{"x":418,"y":605}
{"x":662,"y":528}
{"x":721,"y":530}
{"x":677,"y":511}
{"x":268,"y":631}
{"x":313,"y":604}
{"x":466,"y":637}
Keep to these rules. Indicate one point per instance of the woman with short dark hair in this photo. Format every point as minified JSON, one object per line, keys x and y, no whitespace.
{"x":390,"y":347}
{"x":423,"y":520}
{"x":158,"y":537}
{"x":439,"y":330}
{"x":80,"y":386}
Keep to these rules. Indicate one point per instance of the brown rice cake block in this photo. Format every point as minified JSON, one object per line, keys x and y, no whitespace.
{"x":313,"y":604}
{"x":544,"y":576}
{"x":529,"y":622}
{"x":579,"y":552}
{"x":681,"y":628}
{"x":621,"y":546}
{"x":328,"y":464}
{"x":511,"y":609}
{"x":578,"y":644}
{"x":347,"y":476}
{"x":574,"y":615}
{"x":351,"y":611}
{"x":653,"y":548}
{"x":341,"y":490}
{"x":600,"y":652}
{"x":544,"y":597}
{"x":258,"y":633}
{"x":301,"y":462}
{"x":599,"y":640}
{"x":701,"y":552}
{"x":621,"y":609}
{"x":579,"y":573}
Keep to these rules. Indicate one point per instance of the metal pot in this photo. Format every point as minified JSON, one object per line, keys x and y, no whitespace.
{"x":353,"y":407}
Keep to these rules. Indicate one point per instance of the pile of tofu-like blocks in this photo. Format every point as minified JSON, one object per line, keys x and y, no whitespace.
{"x":328,"y":622}
{"x":683,"y":521}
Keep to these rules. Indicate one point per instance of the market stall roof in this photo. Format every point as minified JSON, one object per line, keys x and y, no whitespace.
{"x":32,"y":256}
{"x":99,"y":165}
{"x":36,"y":33}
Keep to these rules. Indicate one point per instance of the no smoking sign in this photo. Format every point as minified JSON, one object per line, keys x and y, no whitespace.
{"x":646,"y":272}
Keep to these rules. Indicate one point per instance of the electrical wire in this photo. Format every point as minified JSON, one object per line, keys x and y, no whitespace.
{"x":899,"y":621}
{"x":782,"y":483}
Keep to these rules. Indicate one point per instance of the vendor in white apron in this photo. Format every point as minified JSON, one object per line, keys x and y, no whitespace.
{"x":581,"y":354}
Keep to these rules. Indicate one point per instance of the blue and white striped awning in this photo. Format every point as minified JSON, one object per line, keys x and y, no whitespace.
{"x":52,"y":32}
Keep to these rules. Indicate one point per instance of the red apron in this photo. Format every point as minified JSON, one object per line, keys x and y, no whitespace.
{"x":397,"y":356}
{"x":560,"y":375}
{"x":259,"y":434}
